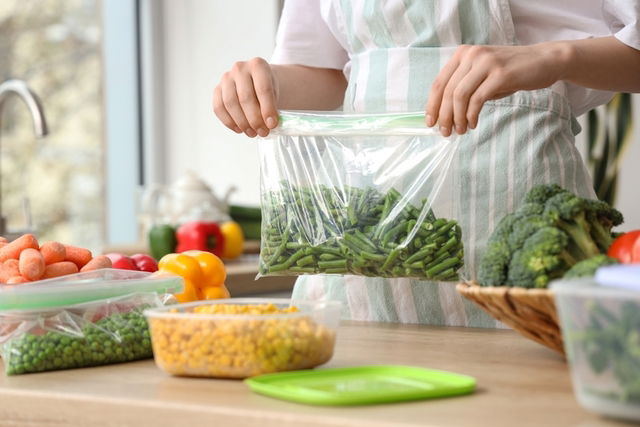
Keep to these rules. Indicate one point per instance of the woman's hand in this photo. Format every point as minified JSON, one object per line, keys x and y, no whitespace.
{"x":245,"y":99}
{"x":476,"y":74}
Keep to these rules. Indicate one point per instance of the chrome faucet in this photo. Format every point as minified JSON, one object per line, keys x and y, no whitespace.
{"x":21,"y":90}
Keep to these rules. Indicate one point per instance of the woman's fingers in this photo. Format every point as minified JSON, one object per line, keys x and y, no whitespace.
{"x":221,"y":112}
{"x":245,"y":98}
{"x":462,"y":95}
{"x":437,"y":89}
{"x":486,"y":90}
{"x":263,"y":82}
{"x":233,"y":107}
{"x":446,"y":119}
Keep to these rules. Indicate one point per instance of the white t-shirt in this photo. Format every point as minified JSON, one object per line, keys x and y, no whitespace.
{"x":310,"y":33}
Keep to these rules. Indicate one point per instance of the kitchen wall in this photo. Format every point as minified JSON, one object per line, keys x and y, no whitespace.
{"x":202,"y":39}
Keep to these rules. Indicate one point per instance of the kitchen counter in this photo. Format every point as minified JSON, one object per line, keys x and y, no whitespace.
{"x":519,"y":383}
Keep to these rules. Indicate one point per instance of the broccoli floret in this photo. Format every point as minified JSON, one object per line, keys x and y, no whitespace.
{"x":587,"y":267}
{"x":602,"y":218}
{"x":493,"y":267}
{"x":541,"y":193}
{"x":542,"y":258}
{"x":551,"y":232}
{"x":569,"y":213}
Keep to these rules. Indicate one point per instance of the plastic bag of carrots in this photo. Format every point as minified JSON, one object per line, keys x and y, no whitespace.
{"x":25,"y":260}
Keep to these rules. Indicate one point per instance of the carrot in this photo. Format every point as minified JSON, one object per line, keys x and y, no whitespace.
{"x":78,"y":256}
{"x":3,"y":241}
{"x":101,"y":261}
{"x":58,"y":269}
{"x":31,"y":264}
{"x":12,"y":249}
{"x":53,"y":252}
{"x":8,"y":269}
{"x":17,"y":280}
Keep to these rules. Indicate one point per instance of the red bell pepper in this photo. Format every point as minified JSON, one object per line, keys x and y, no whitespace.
{"x":626,"y":248}
{"x":200,"y":235}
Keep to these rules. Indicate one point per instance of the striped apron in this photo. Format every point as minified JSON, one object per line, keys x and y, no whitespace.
{"x":396,"y":49}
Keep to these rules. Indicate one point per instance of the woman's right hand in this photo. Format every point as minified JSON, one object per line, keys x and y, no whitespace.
{"x":245,"y":99}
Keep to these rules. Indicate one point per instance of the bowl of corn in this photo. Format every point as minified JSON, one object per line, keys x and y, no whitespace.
{"x":242,"y":337}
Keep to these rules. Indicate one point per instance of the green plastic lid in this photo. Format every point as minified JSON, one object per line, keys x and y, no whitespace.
{"x":362,"y":385}
{"x":84,"y":287}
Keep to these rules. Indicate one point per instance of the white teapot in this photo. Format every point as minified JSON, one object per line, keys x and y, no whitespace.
{"x":189,"y":198}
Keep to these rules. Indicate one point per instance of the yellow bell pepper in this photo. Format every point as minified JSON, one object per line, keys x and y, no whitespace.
{"x":233,"y":239}
{"x":203,"y":273}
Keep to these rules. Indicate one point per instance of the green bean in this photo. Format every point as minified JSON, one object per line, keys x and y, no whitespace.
{"x":305,"y":261}
{"x":333,"y":264}
{"x":366,"y":232}
{"x":336,"y":271}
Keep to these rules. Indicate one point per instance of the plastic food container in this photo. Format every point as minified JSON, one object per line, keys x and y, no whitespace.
{"x":242,"y":337}
{"x":601,"y":333}
{"x":85,"y":319}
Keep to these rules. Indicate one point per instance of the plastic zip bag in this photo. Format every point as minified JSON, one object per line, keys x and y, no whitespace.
{"x":365,"y":194}
{"x":96,"y":331}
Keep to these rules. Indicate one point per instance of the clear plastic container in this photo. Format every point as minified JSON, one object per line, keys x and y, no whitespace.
{"x":80,"y":320}
{"x":205,"y":339}
{"x":601,"y":333}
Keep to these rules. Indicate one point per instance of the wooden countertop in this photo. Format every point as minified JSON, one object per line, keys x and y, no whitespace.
{"x":520,"y":383}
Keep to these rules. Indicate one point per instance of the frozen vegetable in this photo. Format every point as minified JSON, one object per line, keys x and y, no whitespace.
{"x":25,"y":260}
{"x":552,"y":231}
{"x":239,"y":344}
{"x":78,"y":256}
{"x":12,"y":249}
{"x":31,"y":264}
{"x":611,"y":343}
{"x":57,"y":269}
{"x":100,"y":261}
{"x":53,"y":252}
{"x":115,"y":338}
{"x":347,"y":230}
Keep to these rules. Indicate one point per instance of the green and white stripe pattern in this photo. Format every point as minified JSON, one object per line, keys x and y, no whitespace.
{"x":397,"y":48}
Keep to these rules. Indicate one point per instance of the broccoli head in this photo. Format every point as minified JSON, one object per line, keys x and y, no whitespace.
{"x":552,"y":231}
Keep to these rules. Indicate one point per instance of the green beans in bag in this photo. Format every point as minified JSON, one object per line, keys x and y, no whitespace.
{"x":358,"y":194}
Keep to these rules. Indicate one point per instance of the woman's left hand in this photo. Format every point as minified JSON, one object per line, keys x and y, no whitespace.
{"x":476,"y":74}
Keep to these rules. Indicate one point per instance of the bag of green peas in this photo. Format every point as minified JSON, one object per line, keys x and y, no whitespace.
{"x":81,"y":320}
{"x":364,"y":194}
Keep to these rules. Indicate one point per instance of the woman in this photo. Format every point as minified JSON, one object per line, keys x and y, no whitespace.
{"x":509,"y":77}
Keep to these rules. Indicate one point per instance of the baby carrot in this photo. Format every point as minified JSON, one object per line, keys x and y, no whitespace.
{"x":53,"y":252}
{"x":3,"y":241}
{"x":8,"y":269}
{"x":58,"y":269}
{"x":78,"y":256}
{"x":12,"y":249}
{"x":101,"y":261}
{"x":31,"y":264}
{"x":17,"y":280}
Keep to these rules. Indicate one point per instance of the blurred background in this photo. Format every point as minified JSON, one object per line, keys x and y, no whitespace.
{"x":126,"y":86}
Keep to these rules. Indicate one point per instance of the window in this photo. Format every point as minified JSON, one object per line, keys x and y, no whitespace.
{"x":78,"y":184}
{"x":55,"y":46}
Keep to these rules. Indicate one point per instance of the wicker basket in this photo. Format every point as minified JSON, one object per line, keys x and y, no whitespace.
{"x":532,"y":312}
